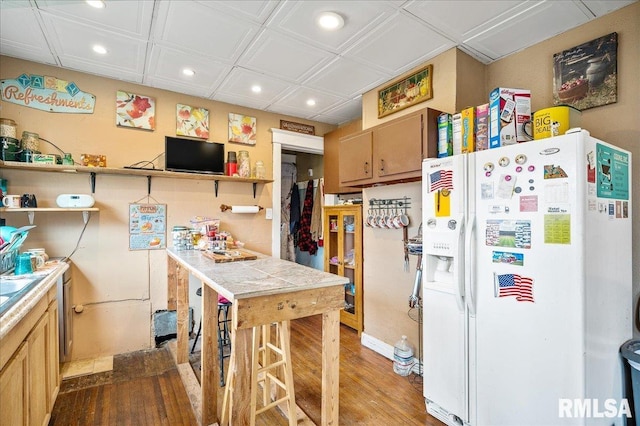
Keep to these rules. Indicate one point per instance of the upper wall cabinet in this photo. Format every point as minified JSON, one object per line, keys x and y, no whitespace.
{"x":390,"y":152}
{"x":332,"y":155}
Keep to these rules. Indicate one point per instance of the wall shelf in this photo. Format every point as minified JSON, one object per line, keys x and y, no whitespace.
{"x":148,"y":173}
{"x":86,"y":212}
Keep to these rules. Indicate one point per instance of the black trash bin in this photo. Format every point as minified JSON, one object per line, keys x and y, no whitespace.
{"x":630,"y":350}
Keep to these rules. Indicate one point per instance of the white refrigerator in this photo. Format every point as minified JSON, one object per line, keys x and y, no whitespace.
{"x":527,"y":283}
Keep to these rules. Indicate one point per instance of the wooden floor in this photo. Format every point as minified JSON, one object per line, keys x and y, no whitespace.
{"x":144,"y":388}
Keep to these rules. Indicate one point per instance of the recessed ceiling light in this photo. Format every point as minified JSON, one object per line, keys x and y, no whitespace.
{"x":256,"y":89}
{"x":99,"y":49}
{"x":188,"y":72}
{"x":98,"y":4}
{"x":311,"y":102}
{"x":330,"y":21}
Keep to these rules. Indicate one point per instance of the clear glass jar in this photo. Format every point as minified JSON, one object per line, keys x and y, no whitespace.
{"x":30,"y":141}
{"x":244,"y":164}
{"x":8,"y":128}
{"x":260,"y":171}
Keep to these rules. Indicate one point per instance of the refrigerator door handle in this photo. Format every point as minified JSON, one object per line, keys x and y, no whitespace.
{"x":469,"y":265}
{"x":460,"y":261}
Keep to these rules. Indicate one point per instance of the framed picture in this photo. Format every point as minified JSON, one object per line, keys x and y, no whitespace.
{"x":135,"y":111}
{"x":192,"y":121}
{"x":586,"y":76}
{"x":409,"y":91}
{"x":242,"y":129}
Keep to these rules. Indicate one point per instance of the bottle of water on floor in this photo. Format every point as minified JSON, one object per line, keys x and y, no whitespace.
{"x":403,"y":357}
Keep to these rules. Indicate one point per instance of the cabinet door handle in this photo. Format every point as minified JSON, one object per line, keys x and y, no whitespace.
{"x":381,"y":166}
{"x":366,"y":167}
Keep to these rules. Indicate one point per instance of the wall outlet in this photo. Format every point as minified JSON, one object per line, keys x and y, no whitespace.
{"x":310,"y":172}
{"x":268,"y":213}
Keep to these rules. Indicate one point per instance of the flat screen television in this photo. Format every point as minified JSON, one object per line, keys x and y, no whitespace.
{"x":194,"y":156}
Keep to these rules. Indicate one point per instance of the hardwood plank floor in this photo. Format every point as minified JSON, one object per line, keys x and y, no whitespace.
{"x":144,"y":388}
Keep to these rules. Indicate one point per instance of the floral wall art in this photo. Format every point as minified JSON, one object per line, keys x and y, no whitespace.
{"x":242,"y":129}
{"x":135,"y":111}
{"x":192,"y":121}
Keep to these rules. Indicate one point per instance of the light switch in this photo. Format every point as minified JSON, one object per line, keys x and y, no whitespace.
{"x":268,"y":213}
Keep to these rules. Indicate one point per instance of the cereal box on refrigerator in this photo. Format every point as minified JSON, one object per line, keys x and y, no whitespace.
{"x":445,"y":146}
{"x":468,"y":129}
{"x":456,"y":131}
{"x":508,"y":111}
{"x":482,"y":127}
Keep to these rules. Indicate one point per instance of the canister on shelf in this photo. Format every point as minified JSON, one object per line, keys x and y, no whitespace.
{"x":260,"y":172}
{"x":244,"y":164}
{"x":8,"y":128}
{"x":30,"y":141}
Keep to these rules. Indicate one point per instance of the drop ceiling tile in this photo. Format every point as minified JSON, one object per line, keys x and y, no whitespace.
{"x":342,"y":113}
{"x":292,"y":112}
{"x":21,"y":35}
{"x":73,"y":43}
{"x":332,"y":78}
{"x":283,"y":57}
{"x":240,"y":80}
{"x":602,"y":7}
{"x":258,"y":11}
{"x":540,"y":22}
{"x":298,"y":19}
{"x":468,"y":14}
{"x":132,"y":18}
{"x":399,"y":44}
{"x":297,"y":98}
{"x":240,"y":101}
{"x":201,"y":30}
{"x":166,"y":65}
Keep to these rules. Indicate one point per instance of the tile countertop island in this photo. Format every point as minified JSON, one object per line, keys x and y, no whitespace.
{"x":261,"y":291}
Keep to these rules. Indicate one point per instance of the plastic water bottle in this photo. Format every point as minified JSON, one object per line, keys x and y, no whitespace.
{"x":403,"y":357}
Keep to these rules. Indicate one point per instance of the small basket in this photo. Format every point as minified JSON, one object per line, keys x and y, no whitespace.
{"x":8,"y":260}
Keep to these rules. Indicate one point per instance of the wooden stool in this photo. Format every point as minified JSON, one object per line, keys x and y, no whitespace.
{"x":271,"y":367}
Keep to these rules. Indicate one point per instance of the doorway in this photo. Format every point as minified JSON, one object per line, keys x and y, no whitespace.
{"x":294,"y":142}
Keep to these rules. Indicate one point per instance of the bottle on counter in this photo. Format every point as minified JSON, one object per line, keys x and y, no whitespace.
{"x":244,"y":164}
{"x":403,"y":357}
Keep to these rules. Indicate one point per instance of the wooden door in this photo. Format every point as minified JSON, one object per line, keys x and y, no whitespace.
{"x":38,"y":375}
{"x":14,"y":388}
{"x":53,"y":355}
{"x":398,"y":147}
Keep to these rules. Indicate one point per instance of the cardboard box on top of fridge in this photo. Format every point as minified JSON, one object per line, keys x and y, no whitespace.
{"x":468,"y":129}
{"x":482,"y":127}
{"x":508,"y":111}
{"x":456,"y":132}
{"x":445,"y":137}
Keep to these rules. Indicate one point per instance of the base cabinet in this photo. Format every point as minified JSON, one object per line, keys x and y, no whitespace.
{"x":30,"y":379}
{"x":343,"y":256}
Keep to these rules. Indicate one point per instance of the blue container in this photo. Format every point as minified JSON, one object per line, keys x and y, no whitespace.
{"x":631,"y":351}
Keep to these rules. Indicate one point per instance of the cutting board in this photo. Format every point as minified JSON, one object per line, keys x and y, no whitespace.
{"x":231,"y":256}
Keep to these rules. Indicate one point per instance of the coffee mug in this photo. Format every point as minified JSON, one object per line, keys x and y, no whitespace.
{"x":37,"y":258}
{"x":39,"y":251}
{"x":400,"y":221}
{"x":11,"y":201}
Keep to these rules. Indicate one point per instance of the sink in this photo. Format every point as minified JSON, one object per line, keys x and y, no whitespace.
{"x":11,"y":286}
{"x":3,"y":299}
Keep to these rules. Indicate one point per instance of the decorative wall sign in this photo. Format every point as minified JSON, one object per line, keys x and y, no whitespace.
{"x":586,"y":76}
{"x":306,"y":129}
{"x":47,"y":93}
{"x":192,"y":121}
{"x":402,"y":94}
{"x":135,"y":111}
{"x":147,"y":226}
{"x":242,"y":129}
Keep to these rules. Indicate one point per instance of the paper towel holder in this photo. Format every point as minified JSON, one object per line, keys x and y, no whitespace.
{"x":241,"y":209}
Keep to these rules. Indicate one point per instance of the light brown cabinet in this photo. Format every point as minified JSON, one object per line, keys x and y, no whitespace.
{"x":29,"y":376}
{"x":332,"y":156}
{"x":390,"y":152}
{"x":343,"y":256}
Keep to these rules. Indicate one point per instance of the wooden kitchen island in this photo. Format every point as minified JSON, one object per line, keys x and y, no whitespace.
{"x":261,"y":291}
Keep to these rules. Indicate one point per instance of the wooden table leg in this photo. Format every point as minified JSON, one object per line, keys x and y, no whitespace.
{"x":330,"y":367}
{"x":241,"y":349}
{"x":209,"y":356}
{"x":182,"y":295}
{"x":171,"y":283}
